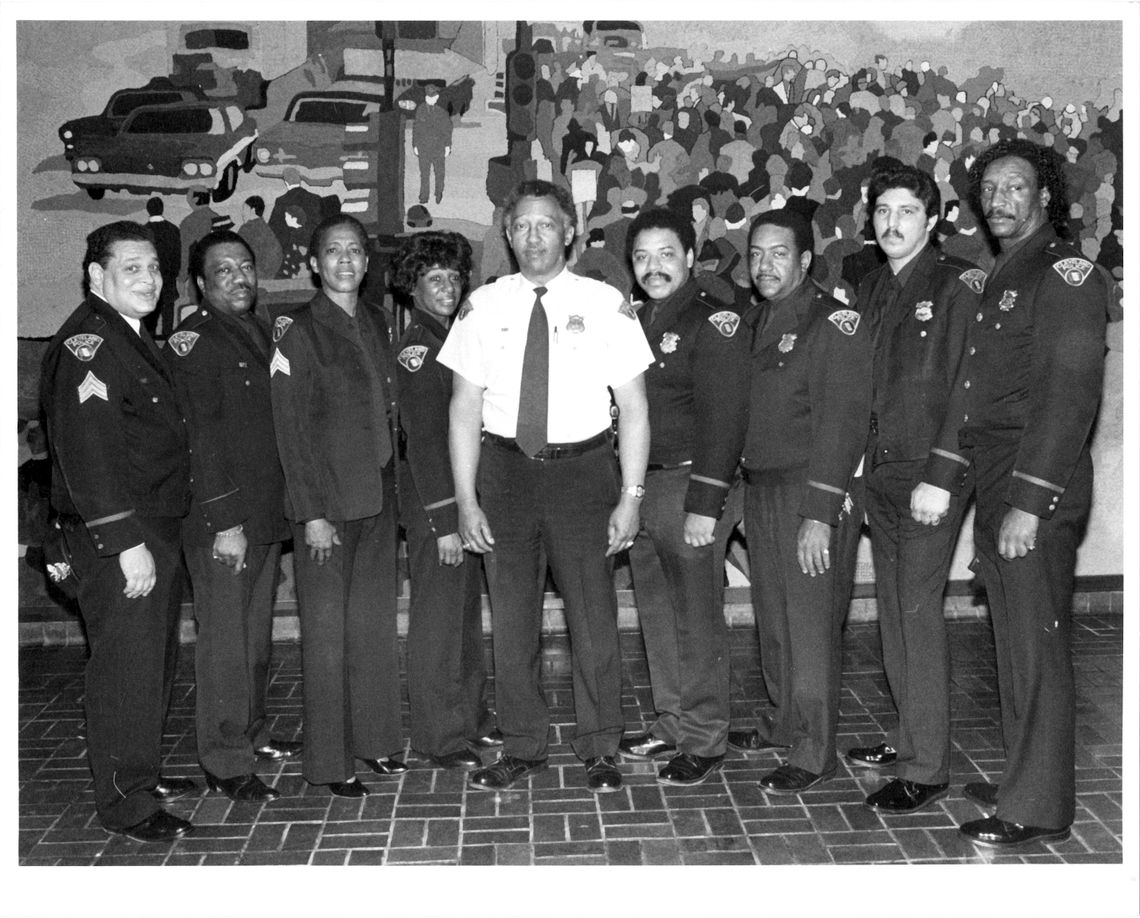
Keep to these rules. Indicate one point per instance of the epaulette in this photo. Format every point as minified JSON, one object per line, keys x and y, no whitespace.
{"x":954,"y":261}
{"x":712,"y":301}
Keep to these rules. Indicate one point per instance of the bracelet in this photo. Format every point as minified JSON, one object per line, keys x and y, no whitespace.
{"x":637,"y":492}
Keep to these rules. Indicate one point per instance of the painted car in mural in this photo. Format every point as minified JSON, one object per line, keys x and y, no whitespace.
{"x":169,"y":148}
{"x":159,"y":91}
{"x":454,"y":98}
{"x":312,"y":136}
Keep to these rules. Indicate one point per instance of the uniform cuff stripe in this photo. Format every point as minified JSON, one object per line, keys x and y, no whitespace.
{"x":439,"y":503}
{"x":1040,"y":482}
{"x":823,"y":487}
{"x":113,"y":518}
{"x":710,"y":481}
{"x":221,"y":496}
{"x":954,"y":456}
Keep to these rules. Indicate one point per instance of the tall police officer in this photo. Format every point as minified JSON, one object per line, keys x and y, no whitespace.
{"x":918,"y":306}
{"x":1021,"y":416}
{"x":121,"y":476}
{"x":698,"y":414}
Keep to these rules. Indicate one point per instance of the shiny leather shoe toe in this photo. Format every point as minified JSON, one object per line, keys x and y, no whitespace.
{"x":242,"y":788}
{"x":872,"y":756}
{"x":388,"y":767}
{"x":997,"y":833}
{"x":982,"y":793}
{"x":488,"y":740}
{"x":159,"y":826}
{"x":686,"y":769}
{"x":504,"y":772}
{"x":352,"y":789}
{"x":902,"y":796}
{"x":790,"y":779}
{"x":644,"y":746}
{"x":750,"y":741}
{"x":602,"y":775}
{"x":277,"y":749}
{"x":463,"y":758}
{"x":169,"y":788}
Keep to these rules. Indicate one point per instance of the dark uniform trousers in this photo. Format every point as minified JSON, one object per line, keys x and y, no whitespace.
{"x":231,"y":655}
{"x":1030,"y":603}
{"x":133,"y":645}
{"x":446,"y":674}
{"x":799,"y":617}
{"x":680,"y":591}
{"x":349,"y":660}
{"x":559,"y":508}
{"x":912,"y":561}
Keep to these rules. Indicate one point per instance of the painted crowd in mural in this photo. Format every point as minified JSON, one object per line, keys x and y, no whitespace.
{"x":232,"y":135}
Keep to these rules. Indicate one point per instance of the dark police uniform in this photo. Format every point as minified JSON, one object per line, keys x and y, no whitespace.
{"x":446,"y":673}
{"x":810,"y":404}
{"x":918,"y":320}
{"x":220,"y":366}
{"x":698,"y":413}
{"x":1021,"y":414}
{"x":331,"y":382}
{"x":121,"y":472}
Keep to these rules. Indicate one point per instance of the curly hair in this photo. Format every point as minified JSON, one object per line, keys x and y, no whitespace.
{"x":1047,"y":167}
{"x":421,"y":252}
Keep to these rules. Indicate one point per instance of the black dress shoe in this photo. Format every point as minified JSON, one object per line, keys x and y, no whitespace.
{"x":277,"y":749}
{"x":172,"y":788}
{"x":685,"y":769}
{"x":159,"y":826}
{"x":997,"y":833}
{"x":488,"y":740}
{"x":982,"y":793}
{"x":749,"y":741}
{"x":790,"y":779}
{"x":351,"y":788}
{"x":463,"y":758}
{"x":504,"y":772}
{"x":242,"y":788}
{"x":872,"y":756}
{"x":602,"y":775}
{"x":903,"y":796}
{"x":388,"y":767}
{"x":644,"y":746}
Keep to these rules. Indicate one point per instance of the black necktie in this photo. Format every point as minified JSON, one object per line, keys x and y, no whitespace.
{"x":531,"y":430}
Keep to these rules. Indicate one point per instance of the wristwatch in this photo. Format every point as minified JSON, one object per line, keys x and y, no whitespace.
{"x":637,"y":492}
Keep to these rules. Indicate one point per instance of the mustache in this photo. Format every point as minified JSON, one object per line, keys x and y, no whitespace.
{"x":659,"y":275}
{"x":995,"y":212}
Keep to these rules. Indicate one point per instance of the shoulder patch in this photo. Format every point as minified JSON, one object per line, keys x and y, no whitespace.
{"x":1073,"y":270}
{"x":846,"y":320}
{"x":975,"y":279}
{"x":725,"y":322}
{"x":279,"y":364}
{"x":464,"y":311}
{"x":182,"y":342}
{"x":627,"y":310}
{"x":83,"y":347}
{"x":412,"y":357}
{"x":280,"y":326}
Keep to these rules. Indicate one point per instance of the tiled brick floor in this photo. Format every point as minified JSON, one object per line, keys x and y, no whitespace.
{"x":430,"y":817}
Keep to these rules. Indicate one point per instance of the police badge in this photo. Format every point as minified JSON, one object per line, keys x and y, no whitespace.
{"x":1008,"y":300}
{"x":83,"y":346}
{"x":280,"y":327}
{"x":846,"y":320}
{"x":924,"y":311}
{"x":787,"y":343}
{"x":182,"y":342}
{"x":412,"y":357}
{"x":669,"y":342}
{"x":576,"y":324}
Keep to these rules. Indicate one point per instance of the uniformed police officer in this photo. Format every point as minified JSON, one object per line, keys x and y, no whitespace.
{"x":121,"y":473}
{"x":918,"y":306}
{"x":534,"y":356}
{"x":219,"y":359}
{"x":697,"y":390}
{"x":446,"y":674}
{"x":333,"y":410}
{"x":810,"y":405}
{"x":1021,"y":416}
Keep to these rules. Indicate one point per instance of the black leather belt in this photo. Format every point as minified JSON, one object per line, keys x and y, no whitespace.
{"x":667,"y":466}
{"x":551,"y":450}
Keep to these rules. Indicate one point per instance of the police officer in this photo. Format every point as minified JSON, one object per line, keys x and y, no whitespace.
{"x":918,"y":306}
{"x":446,"y":674}
{"x":810,"y":403}
{"x":333,"y":410}
{"x":534,"y":356}
{"x":697,"y":390}
{"x":121,"y":474}
{"x":1021,"y":417}
{"x":219,"y":359}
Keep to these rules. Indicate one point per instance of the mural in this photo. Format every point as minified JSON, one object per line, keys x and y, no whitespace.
{"x":269,"y":126}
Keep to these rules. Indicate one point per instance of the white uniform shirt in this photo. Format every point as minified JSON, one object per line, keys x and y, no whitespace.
{"x":593,"y":344}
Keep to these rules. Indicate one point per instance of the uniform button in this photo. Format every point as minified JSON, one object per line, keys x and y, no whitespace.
{"x":979,"y":317}
{"x":922,"y":334}
{"x":998,"y":325}
{"x":661,"y":364}
{"x":965,"y":418}
{"x":973,"y":351}
{"x":966,"y":384}
{"x":780,"y":364}
{"x":247,"y":382}
{"x":155,"y":399}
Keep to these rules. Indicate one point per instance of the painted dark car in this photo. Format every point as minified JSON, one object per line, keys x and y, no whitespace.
{"x":454,"y":98}
{"x":169,"y":148}
{"x":315,"y":134}
{"x":159,"y":91}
